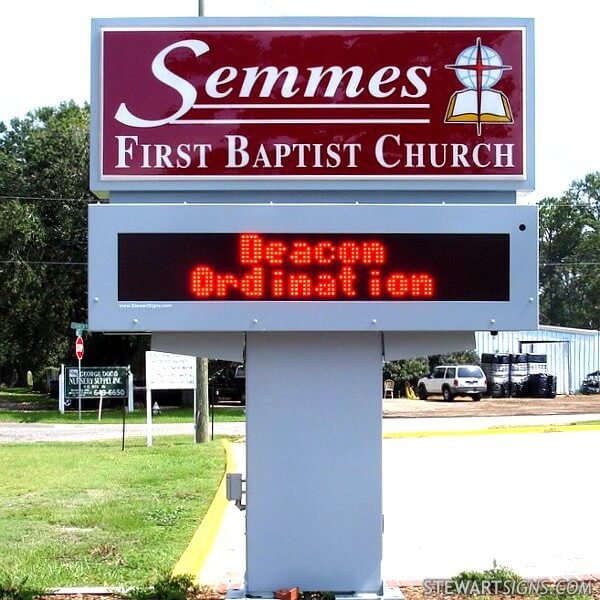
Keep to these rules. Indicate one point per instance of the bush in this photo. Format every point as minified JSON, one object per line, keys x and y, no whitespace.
{"x":41,"y":378}
{"x":405,"y":371}
{"x":471,"y":582}
{"x":167,"y":587}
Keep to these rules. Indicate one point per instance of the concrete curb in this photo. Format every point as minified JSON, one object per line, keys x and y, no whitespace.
{"x":193,"y":557}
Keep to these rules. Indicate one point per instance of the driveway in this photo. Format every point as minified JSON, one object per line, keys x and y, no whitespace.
{"x":491,"y":407}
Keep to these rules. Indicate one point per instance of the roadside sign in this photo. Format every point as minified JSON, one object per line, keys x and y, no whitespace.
{"x":79,"y":348}
{"x":79,"y":326}
{"x":111,"y":382}
{"x":165,"y":371}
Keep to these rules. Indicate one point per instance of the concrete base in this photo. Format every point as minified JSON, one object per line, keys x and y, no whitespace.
{"x":388,"y":594}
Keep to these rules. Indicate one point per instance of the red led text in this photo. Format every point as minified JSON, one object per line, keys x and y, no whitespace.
{"x":297,"y":269}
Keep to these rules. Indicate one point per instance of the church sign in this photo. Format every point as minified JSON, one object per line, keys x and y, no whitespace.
{"x":175,"y":106}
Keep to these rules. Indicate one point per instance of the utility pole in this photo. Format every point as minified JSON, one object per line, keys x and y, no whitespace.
{"x":201,"y":416}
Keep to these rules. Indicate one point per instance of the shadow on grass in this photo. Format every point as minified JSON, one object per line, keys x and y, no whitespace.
{"x":114,"y":416}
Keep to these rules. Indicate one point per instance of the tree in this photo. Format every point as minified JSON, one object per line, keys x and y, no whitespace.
{"x":467,"y":357}
{"x":43,"y":233}
{"x":570,"y":256}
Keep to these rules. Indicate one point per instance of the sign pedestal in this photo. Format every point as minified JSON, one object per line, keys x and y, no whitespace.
{"x":314,"y":449}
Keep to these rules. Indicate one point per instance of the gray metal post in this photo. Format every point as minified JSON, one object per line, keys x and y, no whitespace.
{"x":313,"y":438}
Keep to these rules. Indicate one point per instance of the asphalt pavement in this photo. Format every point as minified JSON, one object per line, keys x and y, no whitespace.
{"x":74,"y":432}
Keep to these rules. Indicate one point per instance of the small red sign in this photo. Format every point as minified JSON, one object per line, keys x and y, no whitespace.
{"x":79,"y":348}
{"x":388,"y":103}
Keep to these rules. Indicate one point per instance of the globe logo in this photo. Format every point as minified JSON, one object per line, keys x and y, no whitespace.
{"x":489,"y":58}
{"x":478,"y":68}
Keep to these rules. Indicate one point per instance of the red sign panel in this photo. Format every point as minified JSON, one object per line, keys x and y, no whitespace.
{"x":79,"y":348}
{"x":313,"y":103}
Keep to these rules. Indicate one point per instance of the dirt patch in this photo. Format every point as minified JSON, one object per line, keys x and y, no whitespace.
{"x":28,"y":406}
{"x":491,"y":407}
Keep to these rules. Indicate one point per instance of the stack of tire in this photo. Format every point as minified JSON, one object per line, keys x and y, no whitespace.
{"x":496,"y":368}
{"x":536,"y":364}
{"x":540,"y":384}
{"x":518,"y":375}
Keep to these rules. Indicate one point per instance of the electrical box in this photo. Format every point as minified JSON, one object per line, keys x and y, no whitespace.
{"x":233,"y":484}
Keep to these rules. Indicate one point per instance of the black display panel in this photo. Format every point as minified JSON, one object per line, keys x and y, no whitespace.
{"x":313,"y":267}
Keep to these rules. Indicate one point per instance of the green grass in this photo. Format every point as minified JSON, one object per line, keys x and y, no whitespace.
{"x":174,"y":415}
{"x":596,"y":422}
{"x":90,"y":514}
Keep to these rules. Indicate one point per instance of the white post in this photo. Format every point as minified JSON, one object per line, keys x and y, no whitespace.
{"x":61,"y":390}
{"x":148,"y":417}
{"x":130,"y":406}
{"x":100,"y":405}
{"x":79,"y":390}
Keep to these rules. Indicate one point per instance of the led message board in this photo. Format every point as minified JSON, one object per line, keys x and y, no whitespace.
{"x":316,"y":267}
{"x":199,"y":268}
{"x":181,"y":102}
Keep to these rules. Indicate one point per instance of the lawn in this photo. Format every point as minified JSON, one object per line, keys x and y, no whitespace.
{"x":168,"y":415}
{"x":90,"y":514}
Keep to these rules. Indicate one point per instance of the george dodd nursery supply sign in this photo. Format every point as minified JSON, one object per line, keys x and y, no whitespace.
{"x":188,"y":104}
{"x":111,"y":381}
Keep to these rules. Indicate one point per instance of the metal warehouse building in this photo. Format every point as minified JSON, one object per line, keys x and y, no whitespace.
{"x":572,"y":353}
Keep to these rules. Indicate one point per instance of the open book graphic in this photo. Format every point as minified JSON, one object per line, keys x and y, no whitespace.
{"x":494,"y":107}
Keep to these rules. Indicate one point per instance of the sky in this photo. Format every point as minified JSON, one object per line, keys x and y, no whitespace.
{"x":45,"y":59}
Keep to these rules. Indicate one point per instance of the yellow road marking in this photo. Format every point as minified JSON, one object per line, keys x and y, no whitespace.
{"x":493,"y":431}
{"x":194,"y":556}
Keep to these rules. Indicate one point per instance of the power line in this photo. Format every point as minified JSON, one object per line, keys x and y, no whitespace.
{"x":47,"y":199}
{"x":41,"y":262}
{"x":567,"y":264}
